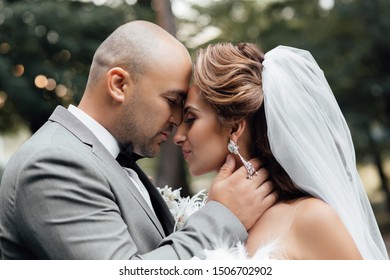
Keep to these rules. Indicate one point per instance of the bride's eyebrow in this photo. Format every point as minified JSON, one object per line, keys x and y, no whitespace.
{"x":190,"y":107}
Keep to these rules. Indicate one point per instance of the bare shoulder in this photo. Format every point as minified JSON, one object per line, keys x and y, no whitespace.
{"x":320,"y":233}
{"x":314,"y":209}
{"x":313,"y":216}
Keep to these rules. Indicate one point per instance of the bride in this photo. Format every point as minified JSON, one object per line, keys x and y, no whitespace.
{"x":278,"y":107}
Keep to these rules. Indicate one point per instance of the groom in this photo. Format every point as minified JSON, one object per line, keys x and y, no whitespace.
{"x":65,"y":196}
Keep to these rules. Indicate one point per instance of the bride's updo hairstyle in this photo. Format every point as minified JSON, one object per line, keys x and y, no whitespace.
{"x":230,"y":80}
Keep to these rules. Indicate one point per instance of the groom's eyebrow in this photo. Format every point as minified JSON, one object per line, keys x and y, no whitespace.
{"x":178,"y":94}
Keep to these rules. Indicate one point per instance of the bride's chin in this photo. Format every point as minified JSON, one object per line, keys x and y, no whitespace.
{"x":202,"y":172}
{"x":194,"y":172}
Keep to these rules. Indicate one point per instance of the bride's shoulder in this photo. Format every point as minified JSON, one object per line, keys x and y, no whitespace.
{"x":318,"y":233}
{"x":314,"y":211}
{"x":312,"y":203}
{"x":314,"y":218}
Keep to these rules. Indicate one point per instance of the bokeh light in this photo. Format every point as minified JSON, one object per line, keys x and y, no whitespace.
{"x":40,"y":81}
{"x":18,"y":70}
{"x":3,"y":98}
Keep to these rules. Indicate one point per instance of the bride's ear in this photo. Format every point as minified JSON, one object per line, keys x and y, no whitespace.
{"x":238,"y":129}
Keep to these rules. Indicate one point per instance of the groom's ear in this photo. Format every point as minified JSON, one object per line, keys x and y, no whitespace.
{"x":238,"y":129}
{"x":118,"y":83}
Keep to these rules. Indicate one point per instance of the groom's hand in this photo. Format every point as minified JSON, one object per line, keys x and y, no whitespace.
{"x":248,"y":199}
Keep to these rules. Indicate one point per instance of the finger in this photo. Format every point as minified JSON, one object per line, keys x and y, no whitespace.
{"x":273,"y":197}
{"x":265,"y":190}
{"x":270,"y":199}
{"x":242,"y":172}
{"x":256,"y":163}
{"x":226,"y":169}
{"x":254,"y":182}
{"x":266,"y":196}
{"x":266,"y":203}
{"x":260,"y":177}
{"x":266,"y":187}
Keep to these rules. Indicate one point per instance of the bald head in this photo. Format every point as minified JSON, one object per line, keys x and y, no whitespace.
{"x":138,"y":79}
{"x":132,"y":46}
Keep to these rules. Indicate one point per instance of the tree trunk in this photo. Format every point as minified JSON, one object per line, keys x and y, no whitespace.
{"x":171,"y":167}
{"x":382,"y":175}
{"x":379,"y":165}
{"x":165,"y":17}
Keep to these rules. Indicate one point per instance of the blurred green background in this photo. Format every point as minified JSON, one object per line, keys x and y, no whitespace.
{"x":46,"y":47}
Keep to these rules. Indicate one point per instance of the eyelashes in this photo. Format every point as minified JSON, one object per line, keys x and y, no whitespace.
{"x":189,"y":121}
{"x":189,"y":118}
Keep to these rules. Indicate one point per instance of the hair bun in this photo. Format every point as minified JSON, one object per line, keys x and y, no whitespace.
{"x":251,"y":51}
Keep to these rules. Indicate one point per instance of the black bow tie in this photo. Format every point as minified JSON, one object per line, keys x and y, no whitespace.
{"x":127,"y":158}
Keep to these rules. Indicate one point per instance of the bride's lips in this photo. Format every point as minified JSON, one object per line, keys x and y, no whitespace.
{"x":186,"y":154}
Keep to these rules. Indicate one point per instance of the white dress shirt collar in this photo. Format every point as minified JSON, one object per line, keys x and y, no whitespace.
{"x":102,"y":134}
{"x":112,"y":145}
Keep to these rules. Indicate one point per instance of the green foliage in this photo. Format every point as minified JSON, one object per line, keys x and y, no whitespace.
{"x":56,"y":39}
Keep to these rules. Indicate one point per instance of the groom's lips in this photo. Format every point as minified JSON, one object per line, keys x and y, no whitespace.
{"x":165,"y":135}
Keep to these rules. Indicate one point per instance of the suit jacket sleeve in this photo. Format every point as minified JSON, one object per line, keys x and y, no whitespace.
{"x":65,"y":209}
{"x":211,"y":226}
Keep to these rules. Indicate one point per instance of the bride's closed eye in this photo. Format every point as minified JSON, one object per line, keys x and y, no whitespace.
{"x":189,"y":118}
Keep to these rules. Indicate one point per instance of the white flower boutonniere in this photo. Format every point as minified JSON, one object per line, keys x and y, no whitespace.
{"x":182,"y":207}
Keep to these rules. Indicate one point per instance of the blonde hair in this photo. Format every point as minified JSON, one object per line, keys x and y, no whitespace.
{"x":229,"y":78}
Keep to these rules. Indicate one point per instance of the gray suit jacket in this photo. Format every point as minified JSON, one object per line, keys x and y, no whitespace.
{"x":63,"y":196}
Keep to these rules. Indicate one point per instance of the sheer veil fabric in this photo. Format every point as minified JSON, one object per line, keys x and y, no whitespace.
{"x":311,"y":140}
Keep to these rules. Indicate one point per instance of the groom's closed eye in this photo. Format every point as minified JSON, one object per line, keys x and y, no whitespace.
{"x":175,"y":97}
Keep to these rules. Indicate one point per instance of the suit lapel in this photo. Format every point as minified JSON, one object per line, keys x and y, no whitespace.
{"x":66,"y":119}
{"x":162,"y":211}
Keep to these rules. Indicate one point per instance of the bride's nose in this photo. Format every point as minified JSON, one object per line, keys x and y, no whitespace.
{"x":180,"y":135}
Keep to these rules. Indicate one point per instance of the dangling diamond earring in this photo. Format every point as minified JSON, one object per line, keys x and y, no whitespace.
{"x":233,"y":148}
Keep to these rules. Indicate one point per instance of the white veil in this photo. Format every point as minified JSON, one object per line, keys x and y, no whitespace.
{"x":310,"y":138}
